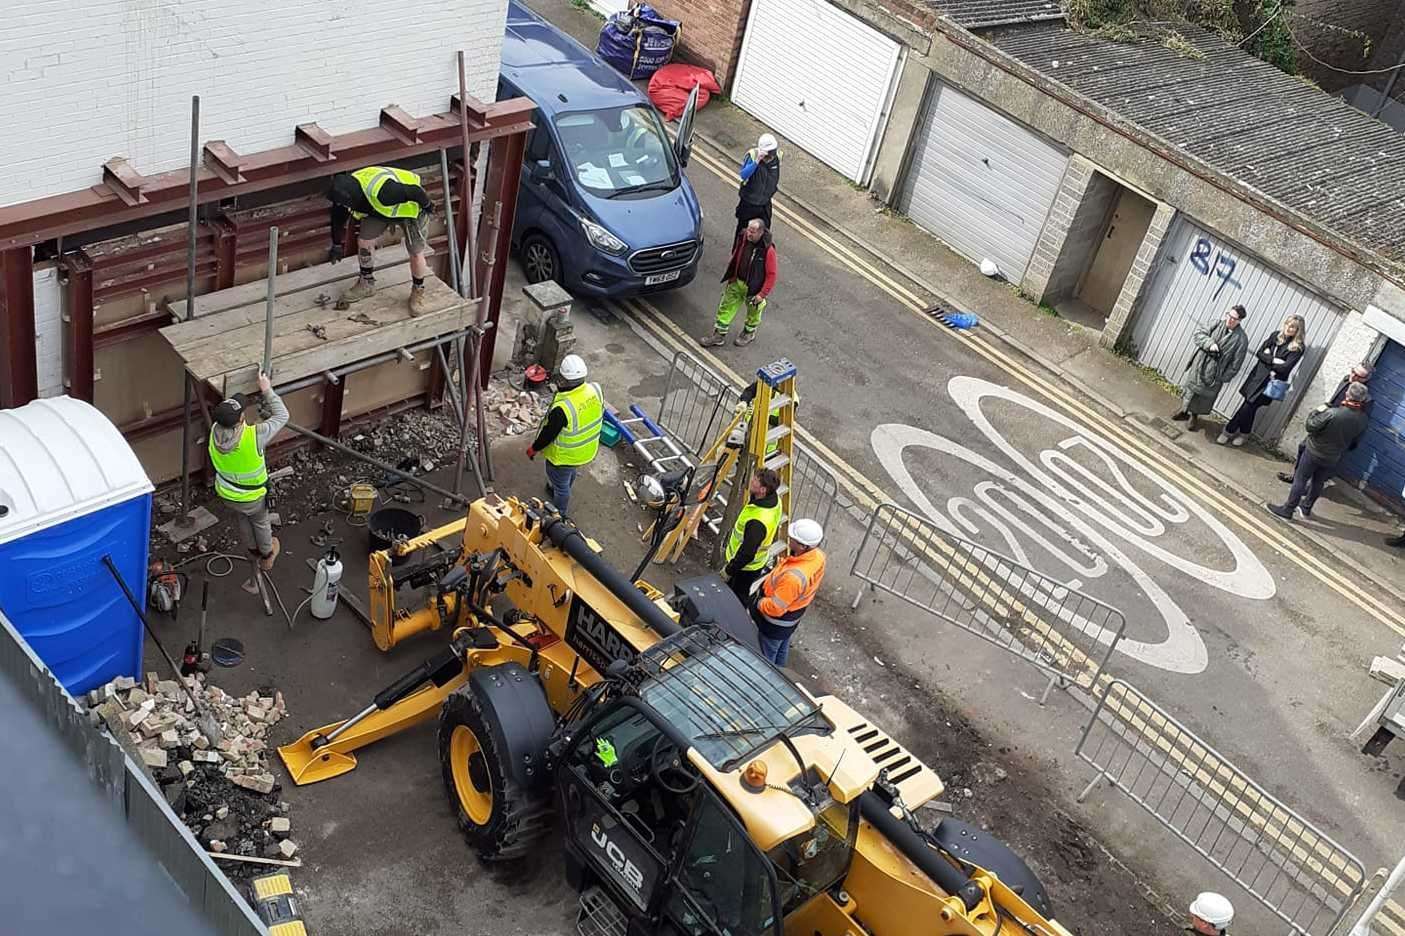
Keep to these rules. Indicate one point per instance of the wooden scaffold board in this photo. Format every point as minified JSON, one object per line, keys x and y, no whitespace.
{"x":223,"y":344}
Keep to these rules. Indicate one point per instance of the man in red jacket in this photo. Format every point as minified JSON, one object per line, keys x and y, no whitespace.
{"x":750,"y":275}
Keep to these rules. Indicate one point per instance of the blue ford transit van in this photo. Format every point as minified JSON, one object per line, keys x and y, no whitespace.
{"x":604,"y":207}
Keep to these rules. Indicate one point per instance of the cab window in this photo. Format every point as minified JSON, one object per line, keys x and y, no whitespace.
{"x":724,"y":884}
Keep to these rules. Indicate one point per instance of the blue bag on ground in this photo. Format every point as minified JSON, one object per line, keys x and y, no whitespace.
{"x":638,"y":41}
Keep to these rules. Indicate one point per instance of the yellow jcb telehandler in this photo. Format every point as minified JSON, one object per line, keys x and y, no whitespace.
{"x":698,"y":790}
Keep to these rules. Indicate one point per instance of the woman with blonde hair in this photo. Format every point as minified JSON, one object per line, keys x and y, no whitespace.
{"x":1268,"y":381}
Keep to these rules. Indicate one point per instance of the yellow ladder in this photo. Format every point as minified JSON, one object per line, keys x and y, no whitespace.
{"x":772,"y":441}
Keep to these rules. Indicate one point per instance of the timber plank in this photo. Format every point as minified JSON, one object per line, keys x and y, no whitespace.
{"x":386,"y":307}
{"x":189,"y":338}
{"x":313,"y":361}
{"x":313,"y":277}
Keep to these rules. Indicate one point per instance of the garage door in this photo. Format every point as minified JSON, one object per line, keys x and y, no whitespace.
{"x":1379,"y":459}
{"x":1199,"y":276}
{"x":981,"y":182}
{"x":818,"y":77}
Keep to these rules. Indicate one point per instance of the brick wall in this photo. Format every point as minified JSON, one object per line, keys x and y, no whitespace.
{"x":712,"y":32}
{"x":115,"y":77}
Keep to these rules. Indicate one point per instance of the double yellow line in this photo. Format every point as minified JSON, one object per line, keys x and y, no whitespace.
{"x":1137,"y":447}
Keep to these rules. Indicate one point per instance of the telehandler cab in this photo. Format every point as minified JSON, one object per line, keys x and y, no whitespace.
{"x":698,"y":790}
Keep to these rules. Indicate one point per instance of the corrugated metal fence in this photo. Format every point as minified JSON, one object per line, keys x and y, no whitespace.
{"x":133,"y":796}
{"x":1198,"y":277}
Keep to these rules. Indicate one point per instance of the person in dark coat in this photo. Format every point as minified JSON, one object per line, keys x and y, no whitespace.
{"x":1331,"y":432}
{"x":1219,"y":353}
{"x":1277,"y":357}
{"x":760,"y":176}
{"x":1361,"y":374}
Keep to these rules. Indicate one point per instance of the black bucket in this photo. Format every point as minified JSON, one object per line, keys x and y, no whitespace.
{"x":390,"y":524}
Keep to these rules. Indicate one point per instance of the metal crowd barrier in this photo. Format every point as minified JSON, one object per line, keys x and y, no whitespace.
{"x":1383,"y":914}
{"x":1290,"y":866}
{"x":698,"y":402}
{"x":1063,"y":632}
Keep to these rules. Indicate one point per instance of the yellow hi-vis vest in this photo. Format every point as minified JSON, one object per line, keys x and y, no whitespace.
{"x":240,"y":475}
{"x":373,"y":178}
{"x":770,"y":518}
{"x":577,"y":444}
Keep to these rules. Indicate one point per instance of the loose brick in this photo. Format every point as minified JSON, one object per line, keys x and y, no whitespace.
{"x":287,"y":849}
{"x":186,"y":768}
{"x":153,"y":757}
{"x":279,"y":825}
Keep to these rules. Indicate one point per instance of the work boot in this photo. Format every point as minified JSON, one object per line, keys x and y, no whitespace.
{"x":1282,"y":513}
{"x":361,"y":289}
{"x":418,"y":303}
{"x":1286,"y":477}
{"x":1182,"y":416}
{"x":747,"y":336}
{"x":715,"y":340}
{"x":266,"y":562}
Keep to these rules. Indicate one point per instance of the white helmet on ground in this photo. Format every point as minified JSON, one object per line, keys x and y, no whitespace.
{"x":766,"y":143}
{"x":572,"y":367}
{"x":806,"y":532}
{"x":1214,"y":909}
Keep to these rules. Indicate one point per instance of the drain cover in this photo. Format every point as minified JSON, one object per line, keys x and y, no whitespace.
{"x":227,"y":651}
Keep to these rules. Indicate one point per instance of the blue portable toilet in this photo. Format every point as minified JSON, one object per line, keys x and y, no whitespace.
{"x":71,"y":492}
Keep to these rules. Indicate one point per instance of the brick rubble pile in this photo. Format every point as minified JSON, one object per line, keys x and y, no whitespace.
{"x":516,"y":411}
{"x":225,"y":792}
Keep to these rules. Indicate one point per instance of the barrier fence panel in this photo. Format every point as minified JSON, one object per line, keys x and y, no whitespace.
{"x":698,"y":403}
{"x":1065,"y":633}
{"x":1291,"y":867}
{"x":1383,"y":914}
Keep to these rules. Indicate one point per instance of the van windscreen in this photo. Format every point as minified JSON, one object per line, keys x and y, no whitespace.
{"x":617,"y":150}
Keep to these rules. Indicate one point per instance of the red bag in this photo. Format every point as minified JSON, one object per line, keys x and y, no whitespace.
{"x":671,"y":85}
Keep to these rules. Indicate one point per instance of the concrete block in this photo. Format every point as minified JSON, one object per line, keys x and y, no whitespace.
{"x":169,"y":688}
{"x":124,"y":683}
{"x":137,"y":696}
{"x":186,"y":768}
{"x":153,"y":757}
{"x":169,"y":739}
{"x":178,"y":530}
{"x":287,"y":849}
{"x":279,"y":825}
{"x":205,"y":757}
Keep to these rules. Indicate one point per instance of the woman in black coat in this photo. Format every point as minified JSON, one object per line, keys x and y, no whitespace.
{"x":1277,"y":357}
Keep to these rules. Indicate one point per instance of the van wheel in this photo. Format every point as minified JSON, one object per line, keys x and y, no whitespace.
{"x":540,"y":260}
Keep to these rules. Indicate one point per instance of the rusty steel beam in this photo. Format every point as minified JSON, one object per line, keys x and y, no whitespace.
{"x":332,"y":396}
{"x":78,"y":335}
{"x":226,"y":250}
{"x":499,"y":212}
{"x":111,"y":203}
{"x":19,"y":373}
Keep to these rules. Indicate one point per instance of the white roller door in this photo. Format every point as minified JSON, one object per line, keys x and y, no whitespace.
{"x":1198,"y":277}
{"x":818,"y":77}
{"x":981,"y":182}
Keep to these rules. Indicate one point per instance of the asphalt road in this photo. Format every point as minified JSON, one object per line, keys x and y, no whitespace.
{"x":1228,"y":624}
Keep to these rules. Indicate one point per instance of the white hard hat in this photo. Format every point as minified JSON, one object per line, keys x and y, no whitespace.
{"x":572,"y":367}
{"x":989,"y":268}
{"x":1213,"y":908}
{"x":806,"y":532}
{"x":766,"y":143}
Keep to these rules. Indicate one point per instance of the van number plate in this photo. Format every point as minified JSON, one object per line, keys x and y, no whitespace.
{"x":662,"y":278}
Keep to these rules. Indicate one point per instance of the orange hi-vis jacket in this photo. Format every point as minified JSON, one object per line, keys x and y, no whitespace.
{"x":790,"y":587}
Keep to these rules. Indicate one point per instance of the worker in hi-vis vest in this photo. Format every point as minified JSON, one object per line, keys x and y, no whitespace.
{"x":570,"y":434}
{"x":241,"y":474}
{"x":378,"y":197}
{"x":746,"y":549}
{"x":788,"y":590}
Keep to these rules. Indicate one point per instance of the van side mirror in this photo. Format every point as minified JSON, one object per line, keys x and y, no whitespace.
{"x":541,"y":170}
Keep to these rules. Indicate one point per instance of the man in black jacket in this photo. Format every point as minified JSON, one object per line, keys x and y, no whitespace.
{"x":760,"y":178}
{"x":1361,"y":374}
{"x":1331,"y":431}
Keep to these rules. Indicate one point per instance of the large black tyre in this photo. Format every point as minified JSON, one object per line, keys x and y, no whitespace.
{"x":499,"y":817}
{"x":965,"y":842}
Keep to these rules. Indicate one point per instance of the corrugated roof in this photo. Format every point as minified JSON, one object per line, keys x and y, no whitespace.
{"x":981,"y":14}
{"x":1243,"y":117}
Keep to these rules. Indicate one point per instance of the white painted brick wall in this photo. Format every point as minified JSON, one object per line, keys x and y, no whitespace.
{"x":1355,"y":342}
{"x":87,"y":80}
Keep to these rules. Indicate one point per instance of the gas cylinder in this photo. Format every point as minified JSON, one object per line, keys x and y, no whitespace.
{"x":324,"y":585}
